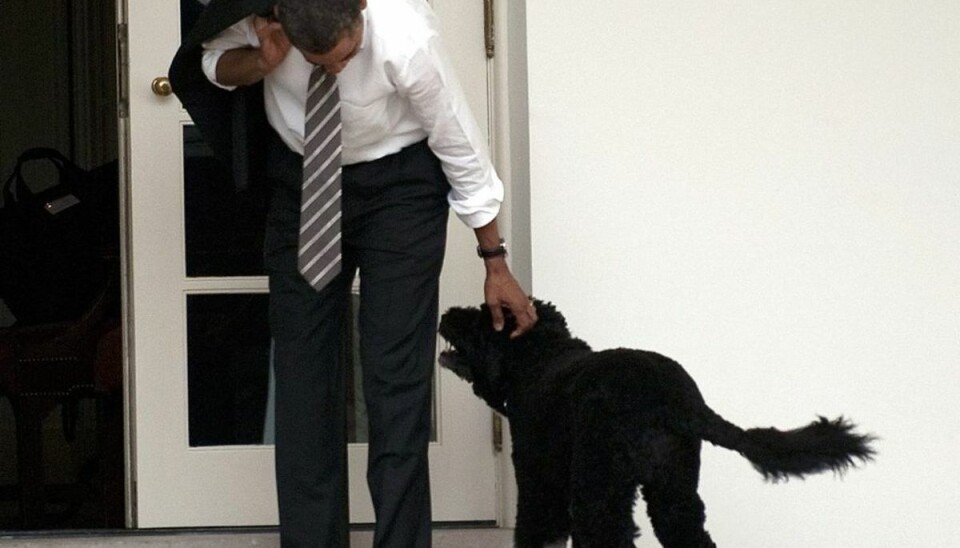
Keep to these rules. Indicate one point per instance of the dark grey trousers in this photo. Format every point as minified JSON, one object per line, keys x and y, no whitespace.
{"x":394,"y":231}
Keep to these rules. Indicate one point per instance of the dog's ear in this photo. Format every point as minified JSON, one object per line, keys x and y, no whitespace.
{"x":549,"y":318}
{"x":544,"y":308}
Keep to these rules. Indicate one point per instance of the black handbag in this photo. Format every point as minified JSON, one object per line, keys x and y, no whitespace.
{"x":52,"y":242}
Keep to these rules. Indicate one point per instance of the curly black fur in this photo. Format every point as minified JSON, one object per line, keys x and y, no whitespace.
{"x":590,"y":427}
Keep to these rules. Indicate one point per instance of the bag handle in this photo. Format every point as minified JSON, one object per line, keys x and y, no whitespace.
{"x":15,"y":184}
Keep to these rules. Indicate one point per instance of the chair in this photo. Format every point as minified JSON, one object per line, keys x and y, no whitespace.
{"x":42,"y":366}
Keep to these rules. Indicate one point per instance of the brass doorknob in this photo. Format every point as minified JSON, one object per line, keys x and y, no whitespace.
{"x":161,"y":86}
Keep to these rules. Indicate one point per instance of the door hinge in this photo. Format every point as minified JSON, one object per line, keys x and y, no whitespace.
{"x":488,"y":28}
{"x":123,"y":69}
{"x":497,"y":433}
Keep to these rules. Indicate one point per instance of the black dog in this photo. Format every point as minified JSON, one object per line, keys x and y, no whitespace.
{"x":590,"y":427}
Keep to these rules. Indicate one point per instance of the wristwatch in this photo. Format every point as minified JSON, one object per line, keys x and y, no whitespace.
{"x":499,"y":251}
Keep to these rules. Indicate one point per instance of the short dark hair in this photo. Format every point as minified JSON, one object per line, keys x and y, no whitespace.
{"x":315,"y":26}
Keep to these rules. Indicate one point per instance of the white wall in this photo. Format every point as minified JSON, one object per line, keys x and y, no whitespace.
{"x":769,"y":192}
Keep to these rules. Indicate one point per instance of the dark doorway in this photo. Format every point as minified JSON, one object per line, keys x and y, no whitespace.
{"x":61,"y":406}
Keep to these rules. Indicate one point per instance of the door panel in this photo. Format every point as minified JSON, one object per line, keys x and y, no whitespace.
{"x":199,"y":346}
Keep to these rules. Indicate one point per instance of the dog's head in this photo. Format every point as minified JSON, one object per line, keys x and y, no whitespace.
{"x":490,"y":359}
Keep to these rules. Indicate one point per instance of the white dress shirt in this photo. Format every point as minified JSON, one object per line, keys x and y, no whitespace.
{"x":398,"y":90}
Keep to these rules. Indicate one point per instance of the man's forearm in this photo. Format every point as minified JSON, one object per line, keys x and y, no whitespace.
{"x":240,"y":67}
{"x":488,"y":235}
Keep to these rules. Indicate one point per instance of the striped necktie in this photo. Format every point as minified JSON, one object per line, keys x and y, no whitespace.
{"x":318,"y":258}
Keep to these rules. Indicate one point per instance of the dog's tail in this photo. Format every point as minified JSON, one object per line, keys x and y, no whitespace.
{"x":817,"y":447}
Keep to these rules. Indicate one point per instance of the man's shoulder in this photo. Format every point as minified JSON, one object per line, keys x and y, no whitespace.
{"x":221,"y":14}
{"x":397,"y":22}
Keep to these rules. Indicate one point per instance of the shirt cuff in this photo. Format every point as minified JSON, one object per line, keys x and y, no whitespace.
{"x":478,"y":219}
{"x":480,"y":208}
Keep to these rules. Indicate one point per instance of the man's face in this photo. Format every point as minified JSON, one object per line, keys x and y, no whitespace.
{"x":337,"y":58}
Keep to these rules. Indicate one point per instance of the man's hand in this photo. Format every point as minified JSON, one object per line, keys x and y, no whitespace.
{"x":501,"y":290}
{"x":274,"y":44}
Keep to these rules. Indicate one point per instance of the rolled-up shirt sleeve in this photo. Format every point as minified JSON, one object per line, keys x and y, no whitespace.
{"x":238,"y":35}
{"x":437,"y":100}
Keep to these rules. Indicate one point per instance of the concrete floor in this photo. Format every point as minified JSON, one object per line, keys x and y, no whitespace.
{"x":443,"y":538}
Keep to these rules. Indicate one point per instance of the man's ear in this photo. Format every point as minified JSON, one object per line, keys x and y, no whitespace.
{"x":363,"y":4}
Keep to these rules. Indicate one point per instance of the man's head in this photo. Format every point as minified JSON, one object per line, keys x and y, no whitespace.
{"x":327,"y":32}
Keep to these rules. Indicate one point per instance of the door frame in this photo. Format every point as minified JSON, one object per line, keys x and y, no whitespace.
{"x":509,"y":146}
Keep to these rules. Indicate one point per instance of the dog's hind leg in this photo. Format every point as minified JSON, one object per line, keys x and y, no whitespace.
{"x":603,"y":492}
{"x":543,"y":506}
{"x":603,"y":518}
{"x":670,"y":491}
{"x":677,"y":517}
